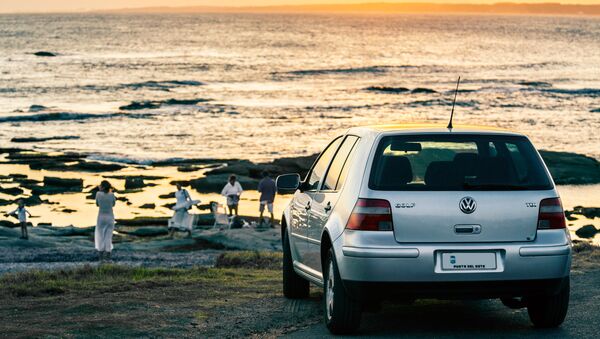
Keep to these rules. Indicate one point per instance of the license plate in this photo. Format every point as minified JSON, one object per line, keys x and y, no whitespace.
{"x":468,"y":261}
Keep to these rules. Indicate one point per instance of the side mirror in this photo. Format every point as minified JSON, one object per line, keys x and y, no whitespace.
{"x":287,"y":183}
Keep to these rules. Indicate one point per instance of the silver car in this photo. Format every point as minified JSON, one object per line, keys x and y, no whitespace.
{"x":401,"y":212}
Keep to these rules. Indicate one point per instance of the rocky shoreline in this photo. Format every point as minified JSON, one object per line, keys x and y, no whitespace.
{"x":45,"y":180}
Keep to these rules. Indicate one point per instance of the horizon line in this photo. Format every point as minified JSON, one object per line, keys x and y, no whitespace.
{"x":414,"y":7}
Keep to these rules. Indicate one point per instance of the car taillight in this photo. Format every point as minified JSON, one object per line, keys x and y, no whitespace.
{"x":551,"y":215}
{"x":371,"y":215}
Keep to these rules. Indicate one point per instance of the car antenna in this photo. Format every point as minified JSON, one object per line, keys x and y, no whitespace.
{"x":453,"y":104}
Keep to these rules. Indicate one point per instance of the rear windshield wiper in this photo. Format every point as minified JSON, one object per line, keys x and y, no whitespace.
{"x":490,"y":186}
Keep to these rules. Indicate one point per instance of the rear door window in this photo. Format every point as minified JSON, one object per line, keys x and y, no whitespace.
{"x":338,"y":165}
{"x":440,"y":162}
{"x":319,"y":168}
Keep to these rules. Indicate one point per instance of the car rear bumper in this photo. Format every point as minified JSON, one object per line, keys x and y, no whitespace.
{"x":369,"y":260}
{"x":373,"y":291}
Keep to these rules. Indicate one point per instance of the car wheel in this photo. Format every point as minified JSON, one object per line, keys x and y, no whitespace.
{"x":549,"y":311}
{"x":294,"y":286}
{"x":342,"y":313}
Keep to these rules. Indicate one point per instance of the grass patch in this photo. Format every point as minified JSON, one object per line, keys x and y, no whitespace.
{"x":250,"y":259}
{"x":120,"y":301}
{"x":585,"y":256}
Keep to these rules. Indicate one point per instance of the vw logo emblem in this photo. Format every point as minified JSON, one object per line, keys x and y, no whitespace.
{"x":467,"y":205}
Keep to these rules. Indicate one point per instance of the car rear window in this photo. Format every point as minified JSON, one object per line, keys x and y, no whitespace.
{"x":457,"y":162}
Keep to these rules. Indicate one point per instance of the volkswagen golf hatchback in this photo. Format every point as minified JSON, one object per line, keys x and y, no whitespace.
{"x":418,"y":211}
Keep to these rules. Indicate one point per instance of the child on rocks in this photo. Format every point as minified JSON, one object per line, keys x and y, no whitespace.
{"x":21,"y":213}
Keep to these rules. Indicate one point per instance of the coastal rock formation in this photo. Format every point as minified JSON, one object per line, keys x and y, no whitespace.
{"x":572,"y":168}
{"x":45,"y":54}
{"x":215,"y":183}
{"x":587,"y":231}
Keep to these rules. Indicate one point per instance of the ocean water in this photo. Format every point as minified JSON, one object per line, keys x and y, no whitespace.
{"x":264,"y":86}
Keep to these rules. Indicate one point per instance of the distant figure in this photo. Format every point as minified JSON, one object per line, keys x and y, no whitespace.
{"x":21,"y":213}
{"x":105,"y":200}
{"x":232,"y":190}
{"x":180,"y":218}
{"x":267,"y":190}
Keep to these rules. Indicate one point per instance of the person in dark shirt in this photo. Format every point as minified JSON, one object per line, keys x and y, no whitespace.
{"x":267,"y":190}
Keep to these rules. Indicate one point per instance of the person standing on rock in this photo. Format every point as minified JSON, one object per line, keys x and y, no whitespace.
{"x":21,"y":213}
{"x":105,"y":200}
{"x":232,"y":190}
{"x":179,"y":219}
{"x":267,"y":190}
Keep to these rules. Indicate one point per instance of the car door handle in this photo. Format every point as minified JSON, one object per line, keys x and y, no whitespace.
{"x":328,"y":207}
{"x":307,"y":207}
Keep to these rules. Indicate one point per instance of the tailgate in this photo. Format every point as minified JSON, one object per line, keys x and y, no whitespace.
{"x":489,"y":216}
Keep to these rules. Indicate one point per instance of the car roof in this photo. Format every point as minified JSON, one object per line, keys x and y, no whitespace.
{"x":417,"y":128}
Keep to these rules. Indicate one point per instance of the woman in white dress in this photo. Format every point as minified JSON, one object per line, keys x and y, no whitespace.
{"x":105,"y":200}
{"x":180,"y":218}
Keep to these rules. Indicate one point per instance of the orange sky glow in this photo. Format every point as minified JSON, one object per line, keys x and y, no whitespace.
{"x":84,"y":5}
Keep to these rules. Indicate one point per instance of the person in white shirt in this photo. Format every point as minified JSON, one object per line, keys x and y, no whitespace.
{"x":21,"y":213}
{"x":105,"y":200}
{"x":179,"y":219}
{"x":232,"y":190}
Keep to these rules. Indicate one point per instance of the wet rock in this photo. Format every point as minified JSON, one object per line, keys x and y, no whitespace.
{"x":299,"y":165}
{"x":423,"y":90}
{"x":45,"y":54}
{"x":92,"y":193}
{"x":588,"y":212}
{"x":133,"y":183}
{"x":10,"y":224}
{"x":125,"y":177}
{"x":167,"y":196}
{"x":4,"y":202}
{"x":169,"y":205}
{"x":571,"y":168}
{"x":215,"y":183}
{"x":185,"y":101}
{"x":16,"y":176}
{"x":148,"y":206}
{"x":37,"y":108}
{"x":55,"y":185}
{"x":63,"y":182}
{"x":587,"y":231}
{"x":140,"y":105}
{"x":33,"y":139}
{"x":147,"y":231}
{"x":189,"y":168}
{"x":14,"y":191}
{"x":569,"y":215}
{"x":94,"y":166}
{"x":143,"y":221}
{"x":28,"y":157}
{"x":68,"y":231}
{"x":68,"y":210}
{"x":385,"y":89}
{"x":35,"y":200}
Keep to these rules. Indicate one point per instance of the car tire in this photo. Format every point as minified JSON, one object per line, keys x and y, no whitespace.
{"x":342,"y":313}
{"x":294,"y":286}
{"x":549,"y":311}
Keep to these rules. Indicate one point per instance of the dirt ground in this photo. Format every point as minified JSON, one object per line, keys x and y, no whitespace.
{"x":242,"y":297}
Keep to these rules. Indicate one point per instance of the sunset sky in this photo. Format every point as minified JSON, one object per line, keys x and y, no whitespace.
{"x":77,"y":5}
